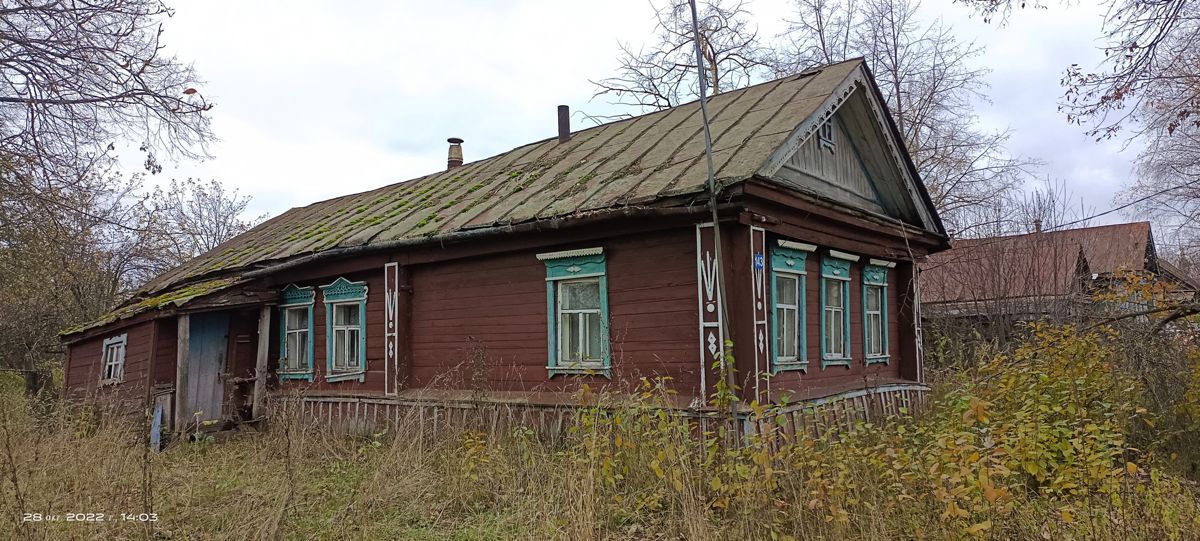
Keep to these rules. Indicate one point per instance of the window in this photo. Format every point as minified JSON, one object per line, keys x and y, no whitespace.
{"x":826,"y":136}
{"x":579,"y":322}
{"x":296,"y":333}
{"x":345,"y":330}
{"x":112,"y":361}
{"x":835,"y":313}
{"x":577,"y":312}
{"x":875,"y":333}
{"x":788,"y":296}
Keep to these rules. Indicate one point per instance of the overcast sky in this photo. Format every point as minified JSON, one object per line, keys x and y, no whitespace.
{"x":315,"y":100}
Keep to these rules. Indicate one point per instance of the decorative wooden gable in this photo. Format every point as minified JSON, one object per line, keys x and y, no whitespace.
{"x":848,"y":152}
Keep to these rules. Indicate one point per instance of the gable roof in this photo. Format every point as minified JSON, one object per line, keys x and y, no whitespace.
{"x":651,"y":161}
{"x":1034,"y":264}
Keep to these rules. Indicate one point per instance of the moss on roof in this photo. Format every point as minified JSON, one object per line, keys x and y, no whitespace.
{"x":177,"y":297}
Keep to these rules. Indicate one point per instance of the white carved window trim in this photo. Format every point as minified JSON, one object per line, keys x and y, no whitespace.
{"x":826,"y":136}
{"x":112,"y":360}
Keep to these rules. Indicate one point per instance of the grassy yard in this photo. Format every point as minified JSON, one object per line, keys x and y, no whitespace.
{"x":1050,"y":441}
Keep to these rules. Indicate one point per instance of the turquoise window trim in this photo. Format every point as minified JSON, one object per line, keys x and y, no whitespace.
{"x":791,"y":262}
{"x":293,"y":296}
{"x":836,"y":269}
{"x":876,"y":276}
{"x":343,"y":291}
{"x":568,"y":266}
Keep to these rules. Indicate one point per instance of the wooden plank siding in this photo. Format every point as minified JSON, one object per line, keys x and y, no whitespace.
{"x":83,"y":364}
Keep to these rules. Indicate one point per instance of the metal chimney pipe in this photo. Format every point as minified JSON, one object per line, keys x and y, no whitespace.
{"x":454,"y":157}
{"x":564,"y":123}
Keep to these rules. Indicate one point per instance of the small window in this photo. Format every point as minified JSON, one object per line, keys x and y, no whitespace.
{"x":577,"y":312}
{"x":296,"y":333}
{"x":875,"y":313}
{"x":787,"y":311}
{"x":835,"y":316}
{"x":295,"y":356}
{"x":579,"y":323}
{"x":345,"y":330}
{"x":346,"y":335}
{"x":788,"y":297}
{"x":835,"y":312}
{"x":112,"y":365}
{"x":826,"y":136}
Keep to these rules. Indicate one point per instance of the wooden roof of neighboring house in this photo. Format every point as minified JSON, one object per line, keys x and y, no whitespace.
{"x":653,"y":161}
{"x":1035,"y":264}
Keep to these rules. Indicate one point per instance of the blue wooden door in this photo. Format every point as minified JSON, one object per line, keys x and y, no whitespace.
{"x":208,"y":342}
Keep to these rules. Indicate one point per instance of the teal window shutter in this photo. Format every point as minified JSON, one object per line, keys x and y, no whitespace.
{"x":789,"y":319}
{"x":835,"y":311}
{"x":875,"y":314}
{"x":345,"y":330}
{"x":577,"y":316}
{"x":296,"y":333}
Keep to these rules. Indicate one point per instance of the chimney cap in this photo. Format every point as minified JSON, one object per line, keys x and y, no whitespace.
{"x":454,"y":141}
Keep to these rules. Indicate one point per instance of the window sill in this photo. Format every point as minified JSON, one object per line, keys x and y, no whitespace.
{"x":306,"y":376}
{"x":346,"y":376}
{"x":796,"y":366}
{"x":110,"y":382}
{"x":835,"y":361}
{"x":882,"y":359}
{"x":604,"y":371}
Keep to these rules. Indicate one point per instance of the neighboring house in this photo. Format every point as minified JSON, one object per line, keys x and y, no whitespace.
{"x":1041,"y":274}
{"x":583,"y":259}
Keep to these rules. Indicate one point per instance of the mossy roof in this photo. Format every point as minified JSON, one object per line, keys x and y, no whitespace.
{"x":175,"y":297}
{"x":634,"y":162}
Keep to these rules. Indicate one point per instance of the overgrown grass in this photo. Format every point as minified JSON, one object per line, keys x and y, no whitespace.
{"x":1034,"y":444}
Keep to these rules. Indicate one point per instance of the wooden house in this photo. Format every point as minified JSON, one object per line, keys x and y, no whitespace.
{"x":1042,"y":274}
{"x":588,"y":258}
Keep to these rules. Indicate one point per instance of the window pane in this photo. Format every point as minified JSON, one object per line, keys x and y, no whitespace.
{"x":873,"y":298}
{"x":352,"y":348}
{"x":786,"y":327}
{"x":581,"y":295}
{"x":874,"y":334}
{"x":593,"y":335}
{"x":345,"y":314}
{"x":569,"y":333}
{"x":339,"y":348}
{"x":833,"y":293}
{"x":785,"y":289}
{"x":297,"y":318}
{"x":291,"y":361}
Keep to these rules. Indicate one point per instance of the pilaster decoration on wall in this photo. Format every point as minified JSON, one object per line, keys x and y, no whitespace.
{"x":712,"y":338}
{"x":788,"y":260}
{"x":760,"y":306}
{"x":391,"y":349}
{"x":343,"y":292}
{"x":296,"y":321}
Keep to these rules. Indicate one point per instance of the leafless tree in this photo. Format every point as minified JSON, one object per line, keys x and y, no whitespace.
{"x":931,"y":85}
{"x":663,"y":75}
{"x":193,"y":217}
{"x":77,"y":76}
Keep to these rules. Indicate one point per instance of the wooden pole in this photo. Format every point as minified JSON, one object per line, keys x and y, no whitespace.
{"x":181,"y":373}
{"x":260,"y":367}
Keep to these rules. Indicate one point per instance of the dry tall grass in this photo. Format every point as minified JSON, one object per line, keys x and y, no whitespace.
{"x":1033,"y":445}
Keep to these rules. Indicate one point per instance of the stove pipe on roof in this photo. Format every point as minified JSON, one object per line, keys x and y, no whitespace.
{"x":454,"y":157}
{"x":564,"y":123}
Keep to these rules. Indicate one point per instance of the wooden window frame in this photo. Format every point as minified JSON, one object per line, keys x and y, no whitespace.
{"x":875,"y":275}
{"x":343,"y":292}
{"x":117,"y":345}
{"x":788,"y":259}
{"x":292,"y":298}
{"x":575,"y":266}
{"x":835,"y":269}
